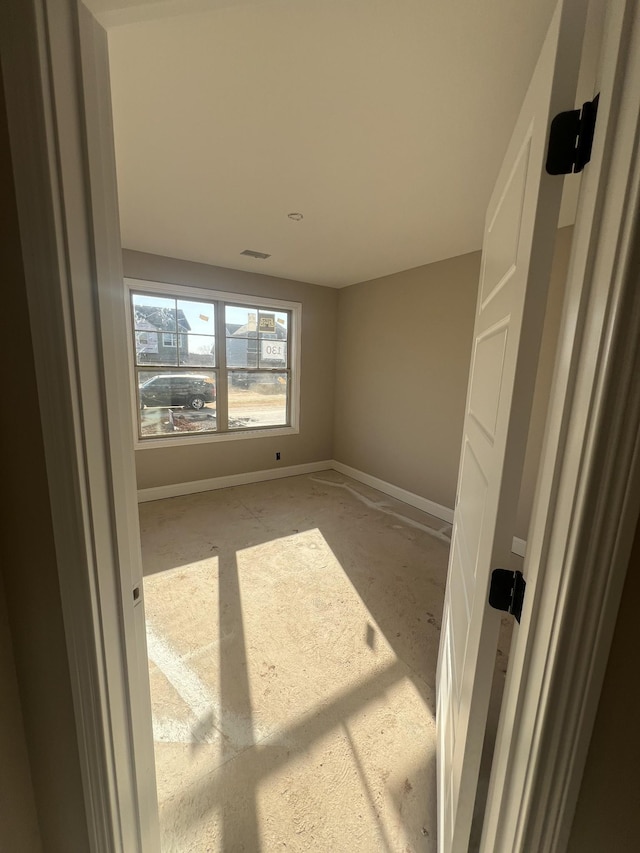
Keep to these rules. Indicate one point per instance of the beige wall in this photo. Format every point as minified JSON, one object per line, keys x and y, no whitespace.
{"x":608,"y":811}
{"x":32,"y":622}
{"x":404,"y":347}
{"x":401,"y":348}
{"x":164,"y":465}
{"x":402,"y":365}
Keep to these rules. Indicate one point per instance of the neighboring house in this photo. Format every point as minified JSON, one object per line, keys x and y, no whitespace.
{"x":157,"y":337}
{"x":242,"y":346}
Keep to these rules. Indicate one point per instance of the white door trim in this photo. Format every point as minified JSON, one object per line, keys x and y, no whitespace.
{"x":68,"y":247}
{"x":588,"y":492}
{"x":112,"y":311}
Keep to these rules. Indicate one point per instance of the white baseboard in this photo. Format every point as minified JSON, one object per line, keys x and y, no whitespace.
{"x":174,"y":490}
{"x":424,"y":504}
{"x":518,"y":546}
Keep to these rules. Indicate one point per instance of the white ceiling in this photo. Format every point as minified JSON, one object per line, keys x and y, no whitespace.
{"x":382,"y":121}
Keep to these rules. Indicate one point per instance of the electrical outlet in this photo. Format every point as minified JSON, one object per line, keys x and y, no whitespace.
{"x":278,"y":456}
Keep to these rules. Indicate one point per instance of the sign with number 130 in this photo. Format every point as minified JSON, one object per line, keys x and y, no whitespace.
{"x":273,"y":351}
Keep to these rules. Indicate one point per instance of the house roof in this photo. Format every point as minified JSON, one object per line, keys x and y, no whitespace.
{"x":153,"y":318}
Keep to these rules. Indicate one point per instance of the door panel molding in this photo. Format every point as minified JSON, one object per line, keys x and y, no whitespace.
{"x":588,"y":494}
{"x":520,"y":229}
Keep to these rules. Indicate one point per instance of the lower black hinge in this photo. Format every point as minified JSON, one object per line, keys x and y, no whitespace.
{"x":507,"y":591}
{"x":571,"y":139}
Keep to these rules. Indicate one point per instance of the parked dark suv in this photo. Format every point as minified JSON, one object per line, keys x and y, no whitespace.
{"x":177,"y":389}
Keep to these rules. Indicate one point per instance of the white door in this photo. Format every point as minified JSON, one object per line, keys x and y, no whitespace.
{"x":520,"y":228}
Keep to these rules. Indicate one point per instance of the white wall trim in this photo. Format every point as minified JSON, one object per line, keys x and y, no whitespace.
{"x":41,"y":68}
{"x":192,"y":439}
{"x":424,"y":504}
{"x":444,"y":513}
{"x":122,"y":611}
{"x":174,"y":490}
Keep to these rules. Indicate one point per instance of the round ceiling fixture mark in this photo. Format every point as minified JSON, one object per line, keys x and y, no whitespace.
{"x":295,"y":216}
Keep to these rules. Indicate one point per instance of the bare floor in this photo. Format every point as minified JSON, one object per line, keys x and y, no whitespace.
{"x":293,"y":632}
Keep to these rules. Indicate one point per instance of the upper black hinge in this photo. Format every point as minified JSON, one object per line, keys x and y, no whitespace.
{"x":507,"y":591}
{"x":571,"y":138}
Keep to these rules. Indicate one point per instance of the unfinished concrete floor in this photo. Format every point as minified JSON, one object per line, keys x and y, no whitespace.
{"x":293,"y":631}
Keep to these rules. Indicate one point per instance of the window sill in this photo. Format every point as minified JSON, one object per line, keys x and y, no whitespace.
{"x":212,"y":437}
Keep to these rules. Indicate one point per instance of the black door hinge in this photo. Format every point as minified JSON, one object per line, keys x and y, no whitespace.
{"x":507,"y":591}
{"x":571,"y":138}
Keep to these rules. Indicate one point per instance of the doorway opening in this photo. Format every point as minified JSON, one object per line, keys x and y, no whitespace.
{"x":201,"y":725}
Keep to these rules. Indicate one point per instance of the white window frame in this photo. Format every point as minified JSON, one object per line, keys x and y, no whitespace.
{"x":133,"y":285}
{"x":173,"y":339}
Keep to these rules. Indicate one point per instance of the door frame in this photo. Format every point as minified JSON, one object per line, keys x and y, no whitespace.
{"x":67,"y":206}
{"x":587,"y":498}
{"x":55,"y":69}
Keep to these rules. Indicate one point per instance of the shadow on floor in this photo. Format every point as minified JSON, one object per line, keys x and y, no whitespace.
{"x":230,"y":788}
{"x":404,"y":607}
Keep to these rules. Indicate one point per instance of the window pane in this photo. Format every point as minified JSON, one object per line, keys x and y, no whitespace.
{"x":240,"y":320}
{"x":158,"y":353}
{"x":154,"y":313}
{"x":272,"y":333}
{"x":282,"y":324}
{"x":242,"y":352}
{"x":197,"y":317}
{"x":257,"y":399}
{"x":242,"y":336}
{"x":197,"y":350}
{"x":273,"y":324}
{"x":273,"y":354}
{"x":146,"y":343}
{"x":176,"y":402}
{"x":154,"y":319}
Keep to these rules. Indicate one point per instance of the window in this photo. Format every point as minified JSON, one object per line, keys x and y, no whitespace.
{"x":207,"y":365}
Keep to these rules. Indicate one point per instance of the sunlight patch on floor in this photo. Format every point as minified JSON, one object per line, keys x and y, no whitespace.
{"x":292,"y":636}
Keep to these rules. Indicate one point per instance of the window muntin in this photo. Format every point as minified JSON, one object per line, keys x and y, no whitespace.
{"x":177,"y":353}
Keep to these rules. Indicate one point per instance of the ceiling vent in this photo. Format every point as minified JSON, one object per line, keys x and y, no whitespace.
{"x":251,"y":254}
